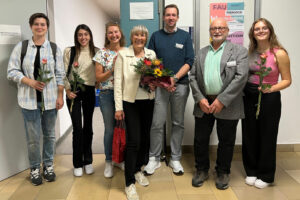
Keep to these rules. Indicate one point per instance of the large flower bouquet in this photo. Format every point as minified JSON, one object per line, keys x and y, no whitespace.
{"x":153,"y":72}
{"x":263,"y":71}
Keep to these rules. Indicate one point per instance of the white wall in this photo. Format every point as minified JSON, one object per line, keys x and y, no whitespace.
{"x":285,"y":15}
{"x":67,"y":15}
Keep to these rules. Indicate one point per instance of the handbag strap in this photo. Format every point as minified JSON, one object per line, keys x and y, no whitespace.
{"x":120,"y":123}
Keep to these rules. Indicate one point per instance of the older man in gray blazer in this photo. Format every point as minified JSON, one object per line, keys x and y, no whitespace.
{"x":217,"y":80}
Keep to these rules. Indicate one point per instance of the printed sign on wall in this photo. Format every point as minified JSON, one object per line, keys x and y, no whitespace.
{"x":233,"y":13}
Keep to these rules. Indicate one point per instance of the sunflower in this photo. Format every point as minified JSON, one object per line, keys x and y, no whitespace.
{"x":158,"y":72}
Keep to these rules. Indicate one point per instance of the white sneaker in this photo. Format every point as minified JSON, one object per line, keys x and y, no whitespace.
{"x":250,"y":180}
{"x":177,"y":167}
{"x":120,"y":165}
{"x":261,"y":184}
{"x":108,"y":171}
{"x":89,"y":169}
{"x":131,"y":193}
{"x":141,"y":179}
{"x":78,"y":171}
{"x":152,"y":165}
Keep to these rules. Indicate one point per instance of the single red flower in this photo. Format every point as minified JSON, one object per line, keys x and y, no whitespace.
{"x":263,"y":56}
{"x":44,"y":61}
{"x":147,"y":62}
{"x":75,"y":64}
{"x":161,"y":67}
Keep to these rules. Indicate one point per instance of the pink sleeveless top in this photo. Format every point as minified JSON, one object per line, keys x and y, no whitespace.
{"x":272,"y":77}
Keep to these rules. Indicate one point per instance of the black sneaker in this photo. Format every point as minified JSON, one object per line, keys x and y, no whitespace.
{"x":222,"y":181}
{"x":49,"y":174}
{"x":35,"y":176}
{"x":199,"y":177}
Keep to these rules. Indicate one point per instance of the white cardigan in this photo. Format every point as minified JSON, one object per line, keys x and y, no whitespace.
{"x":126,"y":80}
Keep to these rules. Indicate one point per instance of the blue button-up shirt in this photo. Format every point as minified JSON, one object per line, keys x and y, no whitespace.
{"x":27,"y":94}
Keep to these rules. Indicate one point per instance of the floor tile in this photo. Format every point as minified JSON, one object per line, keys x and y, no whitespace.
{"x":252,"y":193}
{"x":183,"y":185}
{"x":116,"y":194}
{"x":291,"y":192}
{"x":90,"y":187}
{"x":295,"y":174}
{"x":197,"y":197}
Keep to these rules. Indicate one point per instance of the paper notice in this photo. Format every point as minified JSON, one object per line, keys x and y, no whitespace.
{"x":10,"y":34}
{"x":141,"y":10}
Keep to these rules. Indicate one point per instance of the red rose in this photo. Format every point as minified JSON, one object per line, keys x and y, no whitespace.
{"x":147,"y":62}
{"x":75,"y":64}
{"x":161,"y":67}
{"x":44,"y":61}
{"x":263,"y":56}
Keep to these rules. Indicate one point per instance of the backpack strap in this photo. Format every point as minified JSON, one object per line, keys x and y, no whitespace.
{"x":53,"y":47}
{"x":72,"y":57}
{"x":23,"y":53}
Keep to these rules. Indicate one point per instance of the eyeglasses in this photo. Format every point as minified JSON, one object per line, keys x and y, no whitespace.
{"x":220,"y":28}
{"x":265,"y":28}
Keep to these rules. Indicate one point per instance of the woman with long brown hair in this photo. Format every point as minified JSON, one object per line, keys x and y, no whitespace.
{"x":260,"y":133}
{"x":80,"y":61}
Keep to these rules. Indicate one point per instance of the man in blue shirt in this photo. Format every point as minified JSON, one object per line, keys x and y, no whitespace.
{"x":174,"y":47}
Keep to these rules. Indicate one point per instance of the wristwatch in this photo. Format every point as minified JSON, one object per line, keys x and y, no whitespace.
{"x":175,"y":79}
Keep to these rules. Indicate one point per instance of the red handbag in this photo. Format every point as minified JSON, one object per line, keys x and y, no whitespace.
{"x":119,"y":142}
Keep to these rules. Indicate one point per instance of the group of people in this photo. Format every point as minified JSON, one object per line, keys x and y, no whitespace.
{"x":224,"y":82}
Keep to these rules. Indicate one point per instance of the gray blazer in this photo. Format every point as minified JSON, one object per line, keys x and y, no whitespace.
{"x":234,"y":75}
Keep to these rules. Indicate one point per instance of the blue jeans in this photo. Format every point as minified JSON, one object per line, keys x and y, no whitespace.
{"x":37,"y":124}
{"x":107,"y":107}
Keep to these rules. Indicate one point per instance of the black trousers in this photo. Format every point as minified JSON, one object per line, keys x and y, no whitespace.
{"x":226,"y":131}
{"x":260,"y":136}
{"x":82,"y":132}
{"x":138,"y":119}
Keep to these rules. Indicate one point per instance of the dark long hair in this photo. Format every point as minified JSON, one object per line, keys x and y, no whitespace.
{"x":274,"y":43}
{"x":122,"y":40}
{"x":77,"y":44}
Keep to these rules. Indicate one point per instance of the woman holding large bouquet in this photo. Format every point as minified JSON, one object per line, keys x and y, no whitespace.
{"x":104,"y":59}
{"x":260,"y":130}
{"x":81,"y":98}
{"x":135,"y":105}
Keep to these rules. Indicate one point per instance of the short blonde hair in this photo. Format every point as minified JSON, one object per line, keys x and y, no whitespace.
{"x":139,"y":29}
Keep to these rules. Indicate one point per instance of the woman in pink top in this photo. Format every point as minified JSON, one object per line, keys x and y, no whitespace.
{"x":260,"y":135}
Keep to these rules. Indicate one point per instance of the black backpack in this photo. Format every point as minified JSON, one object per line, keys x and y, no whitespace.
{"x":24,"y":51}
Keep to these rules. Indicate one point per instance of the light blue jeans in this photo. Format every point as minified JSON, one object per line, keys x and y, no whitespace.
{"x":177,"y":102}
{"x":37,"y":124}
{"x":107,"y":107}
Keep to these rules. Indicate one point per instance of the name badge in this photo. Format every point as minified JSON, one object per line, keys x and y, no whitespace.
{"x":231,"y":63}
{"x":179,"y":46}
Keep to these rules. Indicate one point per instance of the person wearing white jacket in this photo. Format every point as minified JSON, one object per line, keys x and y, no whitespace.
{"x":134,"y":105}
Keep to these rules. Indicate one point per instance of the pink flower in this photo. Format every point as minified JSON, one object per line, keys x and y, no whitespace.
{"x":263,"y":56}
{"x":44,"y":61}
{"x":75,"y":64}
